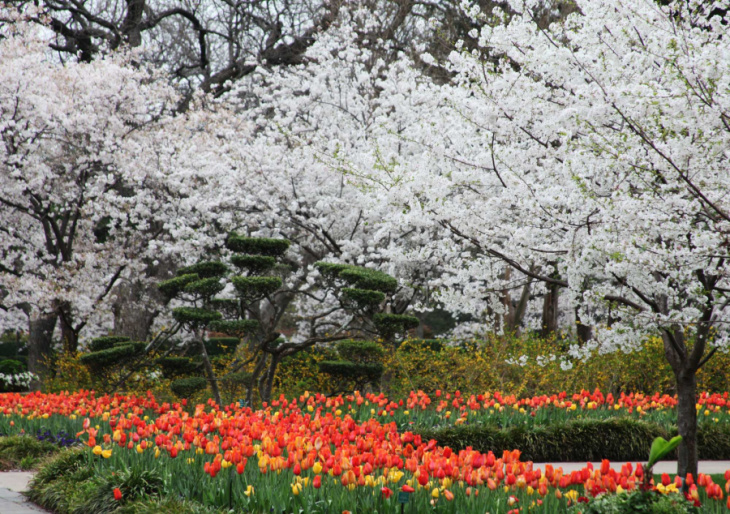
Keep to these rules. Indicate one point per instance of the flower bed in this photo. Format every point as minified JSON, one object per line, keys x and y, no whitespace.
{"x":310,"y":454}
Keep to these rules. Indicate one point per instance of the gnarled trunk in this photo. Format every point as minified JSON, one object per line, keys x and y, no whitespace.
{"x":40,"y":343}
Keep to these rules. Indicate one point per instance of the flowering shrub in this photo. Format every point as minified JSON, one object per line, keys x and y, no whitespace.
{"x":17,"y":381}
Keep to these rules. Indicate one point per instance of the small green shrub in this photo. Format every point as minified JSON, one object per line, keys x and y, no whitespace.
{"x":361,"y":351}
{"x":187,"y":387}
{"x":352,"y":371}
{"x":23,"y":451}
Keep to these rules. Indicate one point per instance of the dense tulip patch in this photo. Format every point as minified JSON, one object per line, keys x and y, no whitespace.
{"x":318,"y":454}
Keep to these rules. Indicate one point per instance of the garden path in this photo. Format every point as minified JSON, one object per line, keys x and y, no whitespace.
{"x":11,"y":501}
{"x":667,"y":466}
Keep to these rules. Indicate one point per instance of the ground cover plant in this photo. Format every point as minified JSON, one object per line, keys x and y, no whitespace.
{"x":314,"y":454}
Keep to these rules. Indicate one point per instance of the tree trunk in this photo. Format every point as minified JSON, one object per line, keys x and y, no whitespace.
{"x":69,"y":336}
{"x":211,"y":374}
{"x":550,"y":311}
{"x":40,"y":342}
{"x":133,"y":317}
{"x":268,"y":383}
{"x":521,"y":308}
{"x":687,"y":422}
{"x":584,"y":332}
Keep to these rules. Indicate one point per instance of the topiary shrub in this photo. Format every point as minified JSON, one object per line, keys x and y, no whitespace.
{"x":176,"y":285}
{"x":362,"y":298}
{"x":106,"y":342}
{"x":365,"y":278}
{"x":352,"y":371}
{"x":195,"y":316}
{"x":204,"y":288}
{"x":187,"y":387}
{"x":97,"y":362}
{"x":389,"y":325}
{"x":221,"y":345}
{"x":204,"y":269}
{"x":239,"y":328}
{"x":254,"y":264}
{"x":175,"y":366}
{"x":253,"y":288}
{"x":257,"y":245}
{"x":361,"y":351}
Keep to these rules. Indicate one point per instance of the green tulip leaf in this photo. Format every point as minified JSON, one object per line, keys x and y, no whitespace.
{"x":660,"y":448}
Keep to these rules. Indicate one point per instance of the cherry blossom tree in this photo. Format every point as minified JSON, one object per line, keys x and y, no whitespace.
{"x":590,"y":156}
{"x":90,"y":162}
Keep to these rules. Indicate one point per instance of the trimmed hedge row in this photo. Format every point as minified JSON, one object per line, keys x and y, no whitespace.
{"x":578,"y":441}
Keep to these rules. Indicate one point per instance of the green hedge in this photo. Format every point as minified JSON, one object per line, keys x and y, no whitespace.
{"x":578,"y":441}
{"x":352,"y":370}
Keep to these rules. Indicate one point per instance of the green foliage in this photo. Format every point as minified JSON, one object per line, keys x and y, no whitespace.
{"x":106,"y":342}
{"x":205,"y":288}
{"x":616,"y":439}
{"x":61,"y":484}
{"x":175,"y":366}
{"x":23,"y":451}
{"x":238,"y":328}
{"x":228,"y":306}
{"x":365,"y":278}
{"x":221,"y":345}
{"x":362,"y":298}
{"x":204,"y":269}
{"x":166,"y":505}
{"x":257,"y":245}
{"x":648,"y":502}
{"x":98,"y":361}
{"x":254,"y":264}
{"x":11,"y":367}
{"x":370,"y":372}
{"x":187,"y":387}
{"x":331,"y":270}
{"x":361,"y":351}
{"x":176,"y":285}
{"x":660,"y":448}
{"x":195,"y":316}
{"x":389,"y":325}
{"x":254,"y":288}
{"x":238,"y":378}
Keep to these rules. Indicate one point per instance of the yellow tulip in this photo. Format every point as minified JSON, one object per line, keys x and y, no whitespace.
{"x":435,"y":492}
{"x":317,"y":468}
{"x":296,"y":489}
{"x":106,"y":454}
{"x":249,"y":490}
{"x":140,"y":449}
{"x":97,"y":450}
